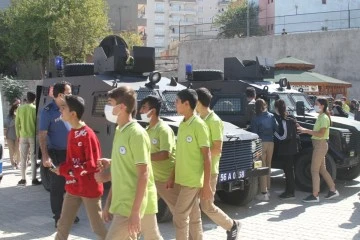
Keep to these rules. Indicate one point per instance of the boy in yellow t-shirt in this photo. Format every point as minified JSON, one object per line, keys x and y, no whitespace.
{"x":192,"y":166}
{"x":216,"y":128}
{"x":162,"y":141}
{"x":133,"y":202}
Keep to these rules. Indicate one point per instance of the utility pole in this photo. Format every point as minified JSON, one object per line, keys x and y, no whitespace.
{"x":179,"y":30}
{"x":349,"y":14}
{"x":247,"y":19}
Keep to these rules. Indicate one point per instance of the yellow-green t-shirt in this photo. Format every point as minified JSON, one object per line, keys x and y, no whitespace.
{"x":25,"y":121}
{"x":131,"y":147}
{"x":346,"y":107}
{"x":216,"y":129}
{"x":322,"y":121}
{"x":162,"y":138}
{"x":189,"y":168}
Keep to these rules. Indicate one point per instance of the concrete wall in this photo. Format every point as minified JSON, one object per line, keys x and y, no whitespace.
{"x":334,"y":53}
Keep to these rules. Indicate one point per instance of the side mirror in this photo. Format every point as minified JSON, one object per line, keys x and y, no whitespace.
{"x":300,"y":108}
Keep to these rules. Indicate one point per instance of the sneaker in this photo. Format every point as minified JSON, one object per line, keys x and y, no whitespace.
{"x":286,"y":195}
{"x":36,"y":182}
{"x":22,"y":182}
{"x":262,"y":197}
{"x":233,"y":234}
{"x":332,"y":195}
{"x":311,"y":198}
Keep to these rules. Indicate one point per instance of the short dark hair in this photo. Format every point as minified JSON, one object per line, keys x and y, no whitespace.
{"x":75,"y":104}
{"x":338,"y":102}
{"x":260,"y":106}
{"x":250,"y":92}
{"x":125,"y":95}
{"x":204,"y":96}
{"x":31,"y":96}
{"x":189,"y":95}
{"x":59,"y":88}
{"x":154,"y":102}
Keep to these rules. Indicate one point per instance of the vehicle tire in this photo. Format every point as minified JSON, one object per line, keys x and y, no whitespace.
{"x":303,"y":171}
{"x":240,"y":197}
{"x":45,"y":177}
{"x":78,"y":69}
{"x":207,"y":75}
{"x":163,"y":214}
{"x":348,"y":173}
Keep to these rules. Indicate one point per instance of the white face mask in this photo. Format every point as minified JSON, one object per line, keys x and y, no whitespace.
{"x":145,"y":116}
{"x":108,"y":110}
{"x":317,"y":108}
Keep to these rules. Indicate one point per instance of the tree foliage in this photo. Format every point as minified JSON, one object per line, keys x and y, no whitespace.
{"x":233,"y":22}
{"x":12,"y":89}
{"x":132,"y":39}
{"x":41,"y":29}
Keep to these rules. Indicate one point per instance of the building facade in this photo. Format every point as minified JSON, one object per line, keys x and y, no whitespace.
{"x":294,"y":16}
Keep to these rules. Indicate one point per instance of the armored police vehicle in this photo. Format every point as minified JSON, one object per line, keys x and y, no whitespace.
{"x":239,"y":164}
{"x":343,"y":158}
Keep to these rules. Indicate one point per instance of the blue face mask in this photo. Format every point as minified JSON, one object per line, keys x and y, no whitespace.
{"x":67,"y":124}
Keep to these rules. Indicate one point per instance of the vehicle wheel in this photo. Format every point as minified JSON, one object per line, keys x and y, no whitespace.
{"x":240,"y":197}
{"x":78,"y":69}
{"x":348,"y":173}
{"x":45,"y":176}
{"x":303,"y":171}
{"x":163,"y":214}
{"x":207,"y":75}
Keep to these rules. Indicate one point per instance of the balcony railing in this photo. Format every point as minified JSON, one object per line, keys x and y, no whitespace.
{"x":184,"y":11}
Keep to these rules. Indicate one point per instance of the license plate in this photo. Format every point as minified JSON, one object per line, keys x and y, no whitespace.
{"x":229,"y":176}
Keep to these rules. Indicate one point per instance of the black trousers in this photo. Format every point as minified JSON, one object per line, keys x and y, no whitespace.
{"x":288,"y":167}
{"x":57,"y":183}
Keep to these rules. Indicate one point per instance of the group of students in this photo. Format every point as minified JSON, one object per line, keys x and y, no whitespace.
{"x":20,"y":136}
{"x":278,"y":133}
{"x":144,"y":164}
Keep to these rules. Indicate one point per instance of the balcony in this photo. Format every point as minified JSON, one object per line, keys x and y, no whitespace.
{"x":182,"y":11}
{"x":182,"y":22}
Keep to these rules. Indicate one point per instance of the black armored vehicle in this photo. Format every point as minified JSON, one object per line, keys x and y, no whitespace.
{"x":239,"y":164}
{"x":228,"y":86}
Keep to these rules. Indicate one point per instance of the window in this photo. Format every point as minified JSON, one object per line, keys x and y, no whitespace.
{"x":272,"y":27}
{"x":228,"y":105}
{"x":268,"y":1}
{"x":159,"y":18}
{"x":201,"y":20}
{"x":200,"y":9}
{"x":159,"y":7}
{"x":272,"y":0}
{"x":159,"y":31}
{"x":100,"y":100}
{"x":159,"y":42}
{"x":323,"y":1}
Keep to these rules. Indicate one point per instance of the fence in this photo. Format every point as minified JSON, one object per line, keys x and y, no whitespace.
{"x":287,"y":24}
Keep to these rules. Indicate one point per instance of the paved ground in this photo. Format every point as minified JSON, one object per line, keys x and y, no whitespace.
{"x":25,"y":214}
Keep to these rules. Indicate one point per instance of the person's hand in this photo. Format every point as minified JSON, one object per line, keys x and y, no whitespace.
{"x":106,"y":215}
{"x":170,"y":183}
{"x":206,"y":192}
{"x":134,"y":226}
{"x":46,"y":162}
{"x":301,"y":129}
{"x":103,"y":163}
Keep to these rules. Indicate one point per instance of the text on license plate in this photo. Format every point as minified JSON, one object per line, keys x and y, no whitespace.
{"x":224,"y":177}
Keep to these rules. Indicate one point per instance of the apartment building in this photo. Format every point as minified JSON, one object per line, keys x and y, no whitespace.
{"x":294,"y":16}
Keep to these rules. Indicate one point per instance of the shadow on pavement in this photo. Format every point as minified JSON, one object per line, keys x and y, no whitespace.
{"x":354,"y":220}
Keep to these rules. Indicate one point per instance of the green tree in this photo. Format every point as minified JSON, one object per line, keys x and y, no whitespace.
{"x":233,"y":22}
{"x":132,"y":39}
{"x":41,"y":29}
{"x":6,"y":62}
{"x":12,"y":89}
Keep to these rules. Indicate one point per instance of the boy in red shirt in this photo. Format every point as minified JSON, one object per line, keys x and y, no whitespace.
{"x":83,"y":150}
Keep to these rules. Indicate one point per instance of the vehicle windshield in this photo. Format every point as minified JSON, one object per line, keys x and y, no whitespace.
{"x":288,"y":102}
{"x":168,"y":107}
{"x":301,"y":97}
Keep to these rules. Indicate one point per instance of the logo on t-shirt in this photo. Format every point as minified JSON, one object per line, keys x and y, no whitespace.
{"x":122,"y":150}
{"x":79,"y":144}
{"x":189,"y":139}
{"x":154,"y":141}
